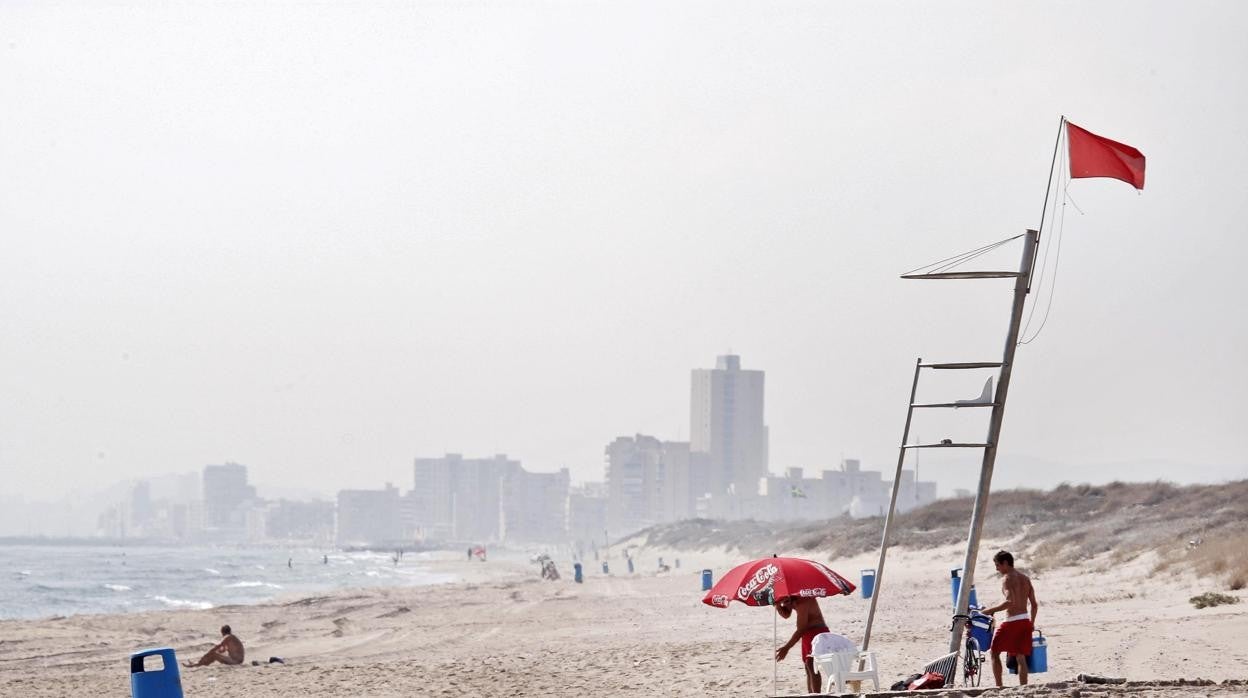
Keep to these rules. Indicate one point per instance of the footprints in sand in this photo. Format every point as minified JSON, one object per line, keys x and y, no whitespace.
{"x":309,"y":601}
{"x":343,"y":611}
{"x":396,"y":612}
{"x":341,"y":627}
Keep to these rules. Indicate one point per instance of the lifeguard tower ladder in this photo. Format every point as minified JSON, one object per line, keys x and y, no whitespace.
{"x":994,"y":400}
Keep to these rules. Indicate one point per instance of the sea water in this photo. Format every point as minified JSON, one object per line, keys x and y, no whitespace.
{"x":39,"y":581}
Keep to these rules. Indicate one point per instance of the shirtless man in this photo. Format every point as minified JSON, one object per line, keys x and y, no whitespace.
{"x":228,"y":651}
{"x":1013,"y":636}
{"x":809,"y":624}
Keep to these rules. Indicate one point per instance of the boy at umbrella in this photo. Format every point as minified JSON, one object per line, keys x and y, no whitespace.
{"x":809,"y":624}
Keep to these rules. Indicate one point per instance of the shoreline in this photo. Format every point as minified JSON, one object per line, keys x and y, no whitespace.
{"x":46,"y":582}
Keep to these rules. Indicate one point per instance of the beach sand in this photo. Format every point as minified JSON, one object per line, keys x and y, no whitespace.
{"x":504,"y":631}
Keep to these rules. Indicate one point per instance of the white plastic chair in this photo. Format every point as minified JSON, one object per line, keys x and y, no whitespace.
{"x":844,"y":663}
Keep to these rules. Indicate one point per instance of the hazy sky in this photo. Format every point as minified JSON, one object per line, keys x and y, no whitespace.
{"x":321,"y":239}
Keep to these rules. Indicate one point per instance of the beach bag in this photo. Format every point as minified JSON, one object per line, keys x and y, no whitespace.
{"x":931,"y":679}
{"x":904,"y":684}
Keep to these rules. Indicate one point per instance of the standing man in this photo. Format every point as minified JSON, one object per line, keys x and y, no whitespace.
{"x":809,"y":624}
{"x":1013,"y":636}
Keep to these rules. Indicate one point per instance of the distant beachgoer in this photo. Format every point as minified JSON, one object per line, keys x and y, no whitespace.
{"x":228,"y":651}
{"x":325,"y":560}
{"x":1013,"y":637}
{"x":469,"y":553}
{"x":290,"y":563}
{"x":809,"y":624}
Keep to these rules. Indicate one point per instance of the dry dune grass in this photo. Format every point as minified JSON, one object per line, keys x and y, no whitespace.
{"x":1204,"y":527}
{"x":1225,"y":556}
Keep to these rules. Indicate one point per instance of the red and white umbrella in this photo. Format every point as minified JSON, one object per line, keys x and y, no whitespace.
{"x":763,"y":582}
{"x":760,"y":582}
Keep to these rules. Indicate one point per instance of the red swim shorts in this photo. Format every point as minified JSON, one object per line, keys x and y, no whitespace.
{"x":809,"y":636}
{"x":1013,"y":637}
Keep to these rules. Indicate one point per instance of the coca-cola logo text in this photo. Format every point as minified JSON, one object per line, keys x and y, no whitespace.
{"x":762,"y":579}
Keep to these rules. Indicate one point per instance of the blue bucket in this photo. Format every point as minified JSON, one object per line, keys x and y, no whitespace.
{"x":981,"y":630}
{"x":868,"y":583}
{"x":1037,"y":661}
{"x":165,"y":682}
{"x":707,"y":578}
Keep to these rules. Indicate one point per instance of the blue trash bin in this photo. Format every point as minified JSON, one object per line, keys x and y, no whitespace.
{"x":955,"y":583}
{"x":707,"y":579}
{"x":630,"y":565}
{"x":605,"y":569}
{"x":868,"y":583}
{"x":577,"y":574}
{"x":152,"y":683}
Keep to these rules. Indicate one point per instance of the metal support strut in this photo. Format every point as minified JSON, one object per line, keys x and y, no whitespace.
{"x":1021,"y":284}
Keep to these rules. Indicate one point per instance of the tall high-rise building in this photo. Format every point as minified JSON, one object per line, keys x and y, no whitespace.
{"x":534,"y":507}
{"x":651,"y":481}
{"x":587,"y":516}
{"x":226,"y":496}
{"x":635,"y":476}
{"x":726,"y":423}
{"x":457,"y":498}
{"x":368,"y":516}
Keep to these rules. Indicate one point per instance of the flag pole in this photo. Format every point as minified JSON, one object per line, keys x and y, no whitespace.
{"x":1048,"y":188}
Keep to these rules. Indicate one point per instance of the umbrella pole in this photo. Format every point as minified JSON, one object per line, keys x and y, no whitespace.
{"x":775,"y":664}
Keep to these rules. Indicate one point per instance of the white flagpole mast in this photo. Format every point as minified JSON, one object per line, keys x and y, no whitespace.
{"x":1057,"y":142}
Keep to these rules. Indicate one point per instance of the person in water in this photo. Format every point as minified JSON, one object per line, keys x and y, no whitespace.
{"x":228,"y":651}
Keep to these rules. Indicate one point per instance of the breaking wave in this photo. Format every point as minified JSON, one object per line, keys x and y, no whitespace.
{"x":249,"y":585}
{"x":180,"y":603}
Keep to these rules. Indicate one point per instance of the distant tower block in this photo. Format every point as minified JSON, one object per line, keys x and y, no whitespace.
{"x":726,"y":422}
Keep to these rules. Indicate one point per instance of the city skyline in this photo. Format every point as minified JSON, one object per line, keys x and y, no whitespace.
{"x":720,"y":473}
{"x":703,"y":380}
{"x":246,"y":234}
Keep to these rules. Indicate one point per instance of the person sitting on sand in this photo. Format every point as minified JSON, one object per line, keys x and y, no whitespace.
{"x":1013,"y":636}
{"x":809,"y":624}
{"x":228,"y":651}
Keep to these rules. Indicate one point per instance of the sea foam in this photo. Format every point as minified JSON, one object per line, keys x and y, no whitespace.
{"x":180,"y":603}
{"x":248,"y":585}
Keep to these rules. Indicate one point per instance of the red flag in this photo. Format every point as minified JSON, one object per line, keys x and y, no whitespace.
{"x":1094,"y":156}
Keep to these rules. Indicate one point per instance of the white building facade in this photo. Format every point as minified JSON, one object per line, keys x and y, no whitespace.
{"x":726,"y":423}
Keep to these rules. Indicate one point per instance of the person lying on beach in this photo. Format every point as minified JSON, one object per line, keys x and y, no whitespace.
{"x":228,"y":651}
{"x":809,"y":624}
{"x":1013,"y":636}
